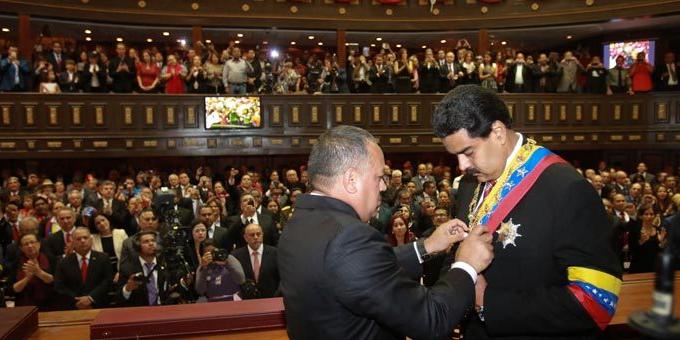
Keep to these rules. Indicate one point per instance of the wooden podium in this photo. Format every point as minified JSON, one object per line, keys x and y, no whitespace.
{"x":188,"y":320}
{"x":18,"y":323}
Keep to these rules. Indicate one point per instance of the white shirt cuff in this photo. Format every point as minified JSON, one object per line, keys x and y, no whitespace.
{"x":420,"y":259}
{"x":468,"y":268}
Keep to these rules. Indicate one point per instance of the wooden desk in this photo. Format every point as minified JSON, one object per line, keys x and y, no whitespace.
{"x":636,"y":294}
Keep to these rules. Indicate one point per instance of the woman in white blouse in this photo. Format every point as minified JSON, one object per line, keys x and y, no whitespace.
{"x":108,"y":240}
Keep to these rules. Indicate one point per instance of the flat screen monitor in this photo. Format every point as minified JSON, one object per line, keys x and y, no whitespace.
{"x":232,"y":112}
{"x":629,"y":51}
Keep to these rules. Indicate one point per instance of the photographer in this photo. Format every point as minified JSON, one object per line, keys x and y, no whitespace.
{"x":220,"y":275}
{"x":249,"y":215}
{"x":143,"y":283}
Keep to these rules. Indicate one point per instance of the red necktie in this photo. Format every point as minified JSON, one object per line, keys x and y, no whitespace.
{"x":15,"y":232}
{"x":487,"y":189}
{"x":256,"y":265}
{"x":68,"y":237}
{"x":83,"y":269}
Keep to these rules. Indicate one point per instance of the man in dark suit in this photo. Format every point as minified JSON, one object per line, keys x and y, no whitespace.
{"x":112,"y":208}
{"x":84,"y":276}
{"x":69,"y":80}
{"x":56,"y":58}
{"x":142,"y":280}
{"x":122,"y":71}
{"x":422,"y":177}
{"x":9,"y":226}
{"x":61,"y":242}
{"x":641,"y":175}
{"x":209,"y":218}
{"x":249,"y":215}
{"x":379,"y":75}
{"x":519,"y":78}
{"x":555,"y":274}
{"x":148,"y":221}
{"x":450,"y":71}
{"x":259,"y":262}
{"x":368,"y":289}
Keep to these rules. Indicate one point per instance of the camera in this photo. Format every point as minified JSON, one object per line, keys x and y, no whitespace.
{"x":220,"y":255}
{"x":139,"y":278}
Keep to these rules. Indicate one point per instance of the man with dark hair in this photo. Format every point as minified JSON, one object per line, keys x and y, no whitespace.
{"x":148,"y":221}
{"x":248,"y":216}
{"x":363,"y":277}
{"x":142,"y":283}
{"x":84,"y":276}
{"x":555,"y":273}
{"x":112,"y":208}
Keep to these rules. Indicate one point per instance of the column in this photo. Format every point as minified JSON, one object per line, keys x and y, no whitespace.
{"x":342,"y":49}
{"x":482,"y":41}
{"x":24,"y":33}
{"x":196,"y":36}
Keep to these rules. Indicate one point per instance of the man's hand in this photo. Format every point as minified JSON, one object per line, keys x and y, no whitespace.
{"x":68,"y":248}
{"x":131,"y":284}
{"x":206,"y":259}
{"x":476,"y":250}
{"x":480,"y":288}
{"x":445,"y":236}
{"x":83,"y":302}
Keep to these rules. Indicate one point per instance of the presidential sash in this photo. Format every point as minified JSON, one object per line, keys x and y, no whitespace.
{"x":515,"y":181}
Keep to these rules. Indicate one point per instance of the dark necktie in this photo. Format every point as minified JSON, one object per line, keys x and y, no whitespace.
{"x":152,"y":291}
{"x":620,"y":77}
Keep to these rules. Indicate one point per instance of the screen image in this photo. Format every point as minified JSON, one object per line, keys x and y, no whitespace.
{"x":629,"y":50}
{"x":232,"y":112}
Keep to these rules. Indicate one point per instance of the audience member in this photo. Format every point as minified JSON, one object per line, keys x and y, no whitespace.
{"x":259,"y":261}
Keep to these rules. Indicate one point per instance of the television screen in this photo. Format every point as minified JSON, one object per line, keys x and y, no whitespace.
{"x":629,"y":50}
{"x":232,"y":112}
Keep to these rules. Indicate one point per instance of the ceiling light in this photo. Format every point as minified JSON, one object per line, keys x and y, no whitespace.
{"x":237,"y":42}
{"x":504,"y":43}
{"x":443,"y":41}
{"x":208,"y":41}
{"x":165,"y":34}
{"x":569,"y":37}
{"x":88,"y":39}
{"x":378,"y":39}
{"x":424,"y":46}
{"x":372,"y":45}
{"x":149,"y":40}
{"x":240,"y":35}
{"x":320,"y":43}
{"x":293,"y":43}
{"x":311,"y":37}
{"x":398,"y":45}
{"x":5,"y":29}
{"x":265,"y":42}
{"x":88,"y":32}
{"x":119,"y":39}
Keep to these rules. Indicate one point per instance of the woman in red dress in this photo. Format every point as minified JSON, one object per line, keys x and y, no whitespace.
{"x":641,"y":74}
{"x":173,"y":74}
{"x":148,"y":74}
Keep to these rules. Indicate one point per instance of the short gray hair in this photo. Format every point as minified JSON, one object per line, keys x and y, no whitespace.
{"x":337,"y":150}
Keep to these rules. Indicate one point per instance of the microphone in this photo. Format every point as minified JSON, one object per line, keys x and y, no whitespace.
{"x":659,"y":322}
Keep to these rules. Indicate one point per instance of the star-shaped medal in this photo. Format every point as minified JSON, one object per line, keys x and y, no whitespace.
{"x":507,"y":233}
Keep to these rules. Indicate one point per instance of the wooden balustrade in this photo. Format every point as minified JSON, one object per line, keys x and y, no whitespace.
{"x":112,"y":125}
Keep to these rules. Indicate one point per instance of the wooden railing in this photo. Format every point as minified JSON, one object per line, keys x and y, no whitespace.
{"x":111,"y":125}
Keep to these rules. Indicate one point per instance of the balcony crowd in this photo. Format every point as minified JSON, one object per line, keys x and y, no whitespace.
{"x":234,"y":70}
{"x":151,"y":237}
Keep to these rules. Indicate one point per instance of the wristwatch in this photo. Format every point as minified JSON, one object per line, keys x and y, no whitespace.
{"x":424,"y":255}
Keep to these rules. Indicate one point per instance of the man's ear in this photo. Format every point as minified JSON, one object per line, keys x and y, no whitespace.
{"x":499,"y":132}
{"x":350,"y":179}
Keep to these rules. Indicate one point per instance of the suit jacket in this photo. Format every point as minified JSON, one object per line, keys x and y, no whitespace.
{"x":68,"y":280}
{"x":236,"y":228}
{"x":60,"y":66}
{"x":138,"y":297}
{"x":380,"y":79}
{"x":123,"y":82}
{"x":118,"y":212}
{"x":129,"y":253}
{"x":9,"y":72}
{"x":527,"y":79}
{"x":363,"y":278}
{"x":447,"y":84}
{"x":562,"y":224}
{"x":268,"y":280}
{"x":55,"y":244}
{"x":69,"y":85}
{"x":419,"y":182}
{"x":221,"y":237}
{"x":86,"y":80}
{"x":119,"y":236}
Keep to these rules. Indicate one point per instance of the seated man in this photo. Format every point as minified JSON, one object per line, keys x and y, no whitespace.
{"x":84,"y":276}
{"x":259,"y":261}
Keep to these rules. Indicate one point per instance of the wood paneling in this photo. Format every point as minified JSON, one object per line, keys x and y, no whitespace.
{"x":110,"y":125}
